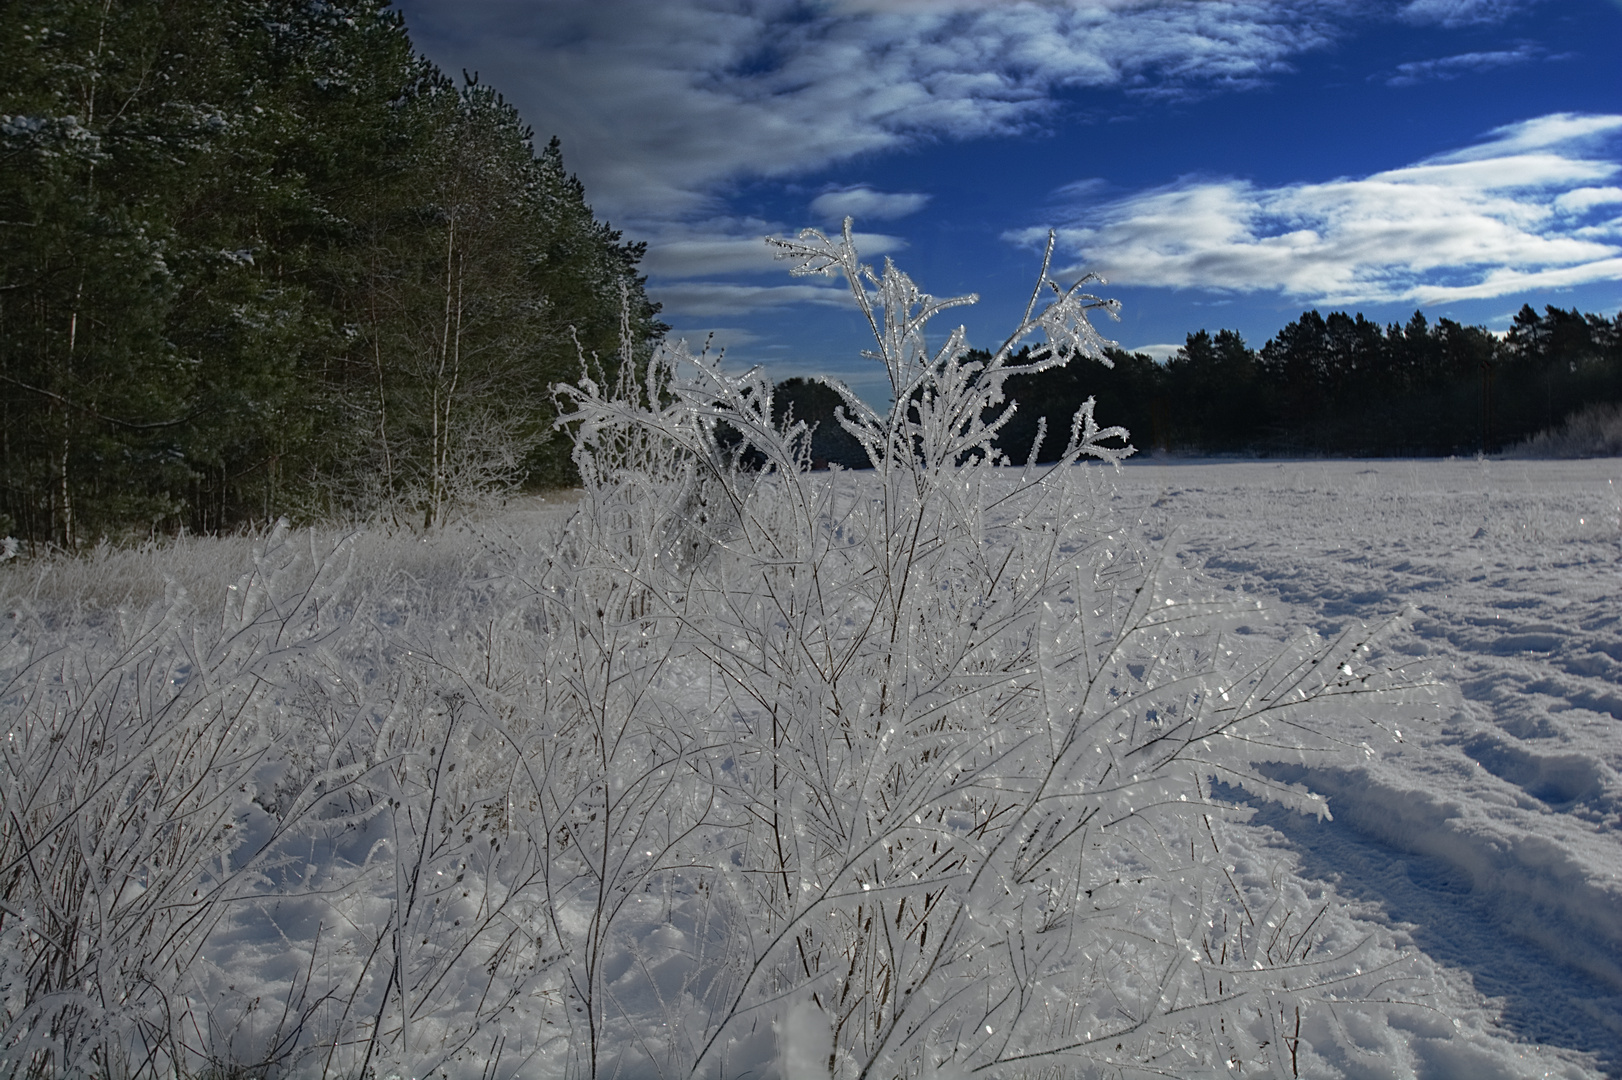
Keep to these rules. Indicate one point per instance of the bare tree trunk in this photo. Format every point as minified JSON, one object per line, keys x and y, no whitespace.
{"x":382,"y":395}
{"x":444,"y":395}
{"x":64,"y":492}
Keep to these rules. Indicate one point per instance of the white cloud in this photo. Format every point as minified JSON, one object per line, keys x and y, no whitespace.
{"x":698,"y":255}
{"x":865,"y":204}
{"x":660,"y":102}
{"x":717,"y":337}
{"x":1452,"y":67}
{"x":719,"y":246}
{"x":1452,"y":13}
{"x":1495,"y":218}
{"x":1161,"y":352}
{"x":1572,"y":131}
{"x":1601,"y":230}
{"x":709,"y":298}
{"x":1582,"y":200}
{"x":1508,"y":280}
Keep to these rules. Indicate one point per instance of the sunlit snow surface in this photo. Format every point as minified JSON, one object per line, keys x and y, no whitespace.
{"x":1486,"y":841}
{"x":1494,"y":835}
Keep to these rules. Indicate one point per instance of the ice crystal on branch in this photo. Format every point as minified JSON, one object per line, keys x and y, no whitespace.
{"x":960,"y":401}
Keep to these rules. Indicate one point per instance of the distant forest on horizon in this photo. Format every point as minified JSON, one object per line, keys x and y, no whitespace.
{"x":1339,"y":385}
{"x":260,"y":258}
{"x":1343,"y":385}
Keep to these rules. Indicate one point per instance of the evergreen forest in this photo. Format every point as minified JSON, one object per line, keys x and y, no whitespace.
{"x":260,"y":258}
{"x":1337,"y":385}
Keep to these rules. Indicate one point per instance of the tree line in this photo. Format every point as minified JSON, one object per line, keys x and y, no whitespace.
{"x":1339,"y":385}
{"x":260,"y":257}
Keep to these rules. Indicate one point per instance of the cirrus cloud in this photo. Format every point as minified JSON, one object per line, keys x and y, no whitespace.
{"x":736,"y":245}
{"x":710,"y":298}
{"x":680,"y":254}
{"x":1454,"y":13}
{"x":1452,"y":67}
{"x":864,"y":203}
{"x":660,"y":103}
{"x":1510,"y":213}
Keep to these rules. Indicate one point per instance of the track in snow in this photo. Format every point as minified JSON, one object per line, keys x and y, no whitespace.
{"x":1495,"y":833}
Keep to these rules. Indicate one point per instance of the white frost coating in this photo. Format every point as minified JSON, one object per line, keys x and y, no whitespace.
{"x":805,"y":1044}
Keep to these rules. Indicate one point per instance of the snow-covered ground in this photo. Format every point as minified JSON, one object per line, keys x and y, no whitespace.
{"x":1483,"y":840}
{"x":1493,"y":835}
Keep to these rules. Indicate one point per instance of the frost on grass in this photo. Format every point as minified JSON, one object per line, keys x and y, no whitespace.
{"x":742,"y":769}
{"x":1595,"y":431}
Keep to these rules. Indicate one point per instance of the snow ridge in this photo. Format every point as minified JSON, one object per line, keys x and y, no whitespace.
{"x":1513,"y":804}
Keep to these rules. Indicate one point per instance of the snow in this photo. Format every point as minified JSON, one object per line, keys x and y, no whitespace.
{"x":1468,"y":866}
{"x":1492,"y":835}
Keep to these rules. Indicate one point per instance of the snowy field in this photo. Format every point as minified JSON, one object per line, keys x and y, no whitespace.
{"x":1492,"y":836}
{"x":1472,"y":863}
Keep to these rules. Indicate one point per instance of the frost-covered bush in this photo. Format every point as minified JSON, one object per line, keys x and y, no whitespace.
{"x":240,"y":841}
{"x":739,"y":769}
{"x":1594,"y":431}
{"x":945,"y":738}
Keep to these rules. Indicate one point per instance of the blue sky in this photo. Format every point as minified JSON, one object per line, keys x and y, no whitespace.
{"x":1224,"y":163}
